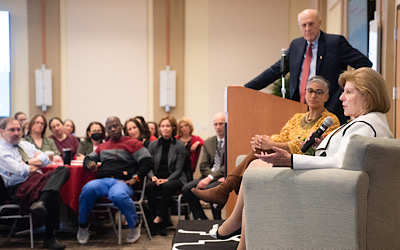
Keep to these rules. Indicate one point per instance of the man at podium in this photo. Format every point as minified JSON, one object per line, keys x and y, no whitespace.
{"x":316,"y":53}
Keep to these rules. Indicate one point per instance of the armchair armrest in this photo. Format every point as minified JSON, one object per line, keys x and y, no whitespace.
{"x":305,"y":209}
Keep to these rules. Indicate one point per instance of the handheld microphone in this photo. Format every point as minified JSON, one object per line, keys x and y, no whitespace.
{"x":317,"y":134}
{"x":283,"y":61}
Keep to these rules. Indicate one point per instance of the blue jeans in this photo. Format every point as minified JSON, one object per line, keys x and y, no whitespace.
{"x":118,"y":192}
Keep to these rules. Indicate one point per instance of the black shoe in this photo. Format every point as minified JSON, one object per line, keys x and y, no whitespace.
{"x":155,"y":229}
{"x":38,"y":208}
{"x":53,"y":243}
{"x":163,"y":228}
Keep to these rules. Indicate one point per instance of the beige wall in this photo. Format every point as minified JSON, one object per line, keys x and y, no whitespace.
{"x":19,"y":52}
{"x":334,"y":17}
{"x":227,"y":43}
{"x":104,"y":60}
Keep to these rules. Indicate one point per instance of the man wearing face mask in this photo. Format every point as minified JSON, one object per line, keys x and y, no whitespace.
{"x":95,"y":134}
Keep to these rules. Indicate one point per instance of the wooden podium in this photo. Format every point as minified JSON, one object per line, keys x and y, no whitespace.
{"x":250,"y":112}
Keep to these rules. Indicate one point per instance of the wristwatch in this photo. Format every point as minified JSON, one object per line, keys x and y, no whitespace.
{"x":27,"y":162}
{"x":135,"y":176}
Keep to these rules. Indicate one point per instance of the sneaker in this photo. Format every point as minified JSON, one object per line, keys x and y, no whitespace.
{"x":83,"y":235}
{"x":134,"y":233}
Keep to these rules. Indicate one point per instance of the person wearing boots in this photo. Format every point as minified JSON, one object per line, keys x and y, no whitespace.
{"x":365,"y":100}
{"x":24,"y":183}
{"x":289,"y":139}
{"x":211,"y":167}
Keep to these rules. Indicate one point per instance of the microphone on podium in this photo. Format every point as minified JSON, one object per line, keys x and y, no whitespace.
{"x":283,"y":61}
{"x":317,"y":134}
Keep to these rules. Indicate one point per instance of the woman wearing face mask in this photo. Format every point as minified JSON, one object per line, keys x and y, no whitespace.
{"x":95,"y":134}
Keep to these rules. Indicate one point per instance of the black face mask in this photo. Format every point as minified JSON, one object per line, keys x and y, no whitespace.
{"x":97,"y":136}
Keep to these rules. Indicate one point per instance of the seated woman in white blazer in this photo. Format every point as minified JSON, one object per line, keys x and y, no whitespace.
{"x":365,"y":100}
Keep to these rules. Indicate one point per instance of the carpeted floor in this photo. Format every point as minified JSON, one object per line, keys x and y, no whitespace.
{"x":193,"y":234}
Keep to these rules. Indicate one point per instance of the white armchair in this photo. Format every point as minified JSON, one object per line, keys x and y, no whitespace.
{"x":357,"y":207}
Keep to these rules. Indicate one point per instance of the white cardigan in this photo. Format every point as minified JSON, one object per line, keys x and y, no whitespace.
{"x":331,"y":151}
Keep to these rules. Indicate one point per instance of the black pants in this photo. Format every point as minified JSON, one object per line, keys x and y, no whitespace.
{"x":52,"y":187}
{"x":49,"y":194}
{"x":194,"y":202}
{"x":159,"y":207}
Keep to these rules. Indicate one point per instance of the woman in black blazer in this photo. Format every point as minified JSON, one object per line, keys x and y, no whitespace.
{"x":168,"y":175}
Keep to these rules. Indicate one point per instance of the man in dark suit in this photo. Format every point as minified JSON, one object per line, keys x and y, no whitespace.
{"x":211,"y":167}
{"x":331,"y":54}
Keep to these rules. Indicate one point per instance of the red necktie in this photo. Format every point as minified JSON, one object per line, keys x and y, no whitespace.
{"x":305,"y":73}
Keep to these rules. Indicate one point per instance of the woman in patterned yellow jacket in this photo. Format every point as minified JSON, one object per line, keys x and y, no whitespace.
{"x":290,"y":139}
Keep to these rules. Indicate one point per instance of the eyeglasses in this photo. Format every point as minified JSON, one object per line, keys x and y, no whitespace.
{"x":318,"y":92}
{"x":114,"y":126}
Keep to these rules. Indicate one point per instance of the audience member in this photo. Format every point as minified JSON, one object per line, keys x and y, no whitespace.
{"x":124,"y":161}
{"x":95,"y":135}
{"x":34,"y":191}
{"x":37,"y":136}
{"x":147,"y":133}
{"x":167,"y":176}
{"x":135,"y":129}
{"x":365,"y":100}
{"x":326,"y":55}
{"x":211,"y":167}
{"x":69,"y":128}
{"x":153,"y":128}
{"x":289,"y":139}
{"x":61,"y":139}
{"x":25,"y":128}
{"x":20,"y":117}
{"x":193,"y":143}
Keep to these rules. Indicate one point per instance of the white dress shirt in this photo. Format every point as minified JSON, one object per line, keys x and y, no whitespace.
{"x":12,"y":168}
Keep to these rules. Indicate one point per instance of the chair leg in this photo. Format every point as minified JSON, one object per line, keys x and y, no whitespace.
{"x":145,"y":220}
{"x":112,"y":221}
{"x":12,"y":230}
{"x":179,"y":207}
{"x":119,"y":228}
{"x":31,"y":229}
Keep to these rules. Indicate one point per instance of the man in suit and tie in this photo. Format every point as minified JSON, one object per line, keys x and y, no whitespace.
{"x":316,"y":53}
{"x":211,"y":167}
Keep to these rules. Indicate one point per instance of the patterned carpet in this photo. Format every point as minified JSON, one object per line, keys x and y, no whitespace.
{"x":193,"y":234}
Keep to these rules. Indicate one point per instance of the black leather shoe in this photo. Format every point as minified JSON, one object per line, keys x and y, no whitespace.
{"x":163,"y":228}
{"x":38,"y":208}
{"x":53,"y":243}
{"x":155,"y":229}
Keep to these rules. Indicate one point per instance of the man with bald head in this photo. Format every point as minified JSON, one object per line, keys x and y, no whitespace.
{"x":211,"y":167}
{"x":124,"y":161}
{"x":315,"y":53}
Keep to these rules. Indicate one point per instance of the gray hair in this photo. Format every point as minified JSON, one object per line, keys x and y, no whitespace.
{"x":6,"y":121}
{"x":321,"y":80}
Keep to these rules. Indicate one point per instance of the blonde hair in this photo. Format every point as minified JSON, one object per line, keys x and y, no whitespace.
{"x":188,"y":122}
{"x":371,"y":85}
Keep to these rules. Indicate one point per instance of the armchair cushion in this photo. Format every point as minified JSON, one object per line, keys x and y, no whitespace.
{"x":357,"y":207}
